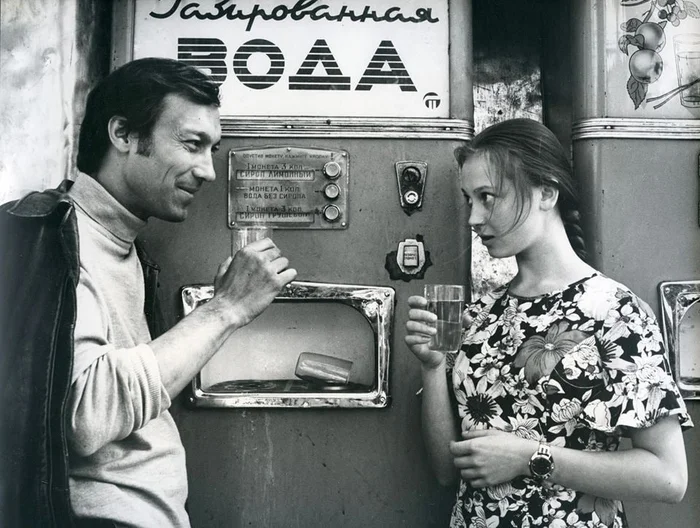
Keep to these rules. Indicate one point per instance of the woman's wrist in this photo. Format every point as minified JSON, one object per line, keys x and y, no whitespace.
{"x":529,"y":448}
{"x":427,"y":369}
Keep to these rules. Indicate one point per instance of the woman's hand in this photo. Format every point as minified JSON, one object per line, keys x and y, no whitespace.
{"x":491,"y":457}
{"x":420,"y":327}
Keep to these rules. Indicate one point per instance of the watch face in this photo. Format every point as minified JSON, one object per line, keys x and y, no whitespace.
{"x":540,"y":465}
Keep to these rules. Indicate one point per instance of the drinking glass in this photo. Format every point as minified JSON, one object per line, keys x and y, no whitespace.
{"x":687,"y":51}
{"x":243,"y":236}
{"x":447,"y":302}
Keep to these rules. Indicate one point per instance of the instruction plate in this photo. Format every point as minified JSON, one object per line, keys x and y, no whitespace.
{"x":288,"y":187}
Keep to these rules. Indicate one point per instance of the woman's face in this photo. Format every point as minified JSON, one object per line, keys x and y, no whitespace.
{"x":495,"y":209}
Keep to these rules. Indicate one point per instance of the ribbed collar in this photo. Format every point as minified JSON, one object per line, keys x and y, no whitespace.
{"x":104,"y":209}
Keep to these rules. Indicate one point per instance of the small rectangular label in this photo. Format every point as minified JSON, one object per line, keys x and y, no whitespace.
{"x":410,"y":256}
{"x":275,"y":174}
{"x":269,"y":217}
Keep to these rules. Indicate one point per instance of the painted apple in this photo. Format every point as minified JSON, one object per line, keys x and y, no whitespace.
{"x":654,"y":37}
{"x":646,"y":66}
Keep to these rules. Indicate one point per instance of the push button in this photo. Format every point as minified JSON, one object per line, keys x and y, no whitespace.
{"x":411,"y":197}
{"x":332,"y":170}
{"x":331,"y":213}
{"x":331,"y":191}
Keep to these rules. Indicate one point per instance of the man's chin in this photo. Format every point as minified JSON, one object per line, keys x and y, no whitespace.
{"x":174,"y":216}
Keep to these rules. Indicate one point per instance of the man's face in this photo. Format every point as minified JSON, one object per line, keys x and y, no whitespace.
{"x":163,"y":172}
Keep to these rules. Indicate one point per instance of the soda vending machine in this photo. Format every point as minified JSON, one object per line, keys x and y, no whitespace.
{"x":636,"y":147}
{"x":339,"y":125}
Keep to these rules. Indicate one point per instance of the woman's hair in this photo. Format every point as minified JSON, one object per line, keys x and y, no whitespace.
{"x":136,"y":92}
{"x":530,"y":155}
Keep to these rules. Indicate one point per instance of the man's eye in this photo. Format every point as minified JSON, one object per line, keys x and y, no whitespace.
{"x":215,"y":148}
{"x":193,"y":144}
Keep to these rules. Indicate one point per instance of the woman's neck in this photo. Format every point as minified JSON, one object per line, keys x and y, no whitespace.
{"x":549,"y":265}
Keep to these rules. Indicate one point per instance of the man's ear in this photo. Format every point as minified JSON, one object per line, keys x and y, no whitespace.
{"x":549,"y":197}
{"x":119,"y":134}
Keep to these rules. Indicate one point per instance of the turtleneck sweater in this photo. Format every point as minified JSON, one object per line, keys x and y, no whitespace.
{"x":127,"y":462}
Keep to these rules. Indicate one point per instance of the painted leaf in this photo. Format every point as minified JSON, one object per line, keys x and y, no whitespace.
{"x":637,"y":40}
{"x":631,"y":25}
{"x":623,"y":43}
{"x":637,"y":91}
{"x":692,"y":10}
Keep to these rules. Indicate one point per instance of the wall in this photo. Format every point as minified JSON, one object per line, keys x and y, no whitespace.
{"x":51,"y":51}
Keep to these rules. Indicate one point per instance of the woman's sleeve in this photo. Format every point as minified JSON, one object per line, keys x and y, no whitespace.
{"x":638,"y":388}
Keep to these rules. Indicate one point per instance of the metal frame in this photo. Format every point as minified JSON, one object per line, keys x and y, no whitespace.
{"x":375,"y":303}
{"x":627,"y":128}
{"x":676,"y":298}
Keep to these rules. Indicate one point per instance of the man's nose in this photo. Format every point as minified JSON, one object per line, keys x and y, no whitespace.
{"x":205,"y":168}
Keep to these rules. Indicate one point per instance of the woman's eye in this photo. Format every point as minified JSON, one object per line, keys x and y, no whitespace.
{"x":487,"y":199}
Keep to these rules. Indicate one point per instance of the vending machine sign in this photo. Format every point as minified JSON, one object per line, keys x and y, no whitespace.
{"x":288,"y":187}
{"x":358,"y":58}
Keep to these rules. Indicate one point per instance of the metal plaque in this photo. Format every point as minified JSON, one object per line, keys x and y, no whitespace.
{"x":288,"y":187}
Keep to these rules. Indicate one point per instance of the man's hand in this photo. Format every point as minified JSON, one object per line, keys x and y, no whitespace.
{"x":491,"y":457}
{"x":243,"y":287}
{"x":247,"y":283}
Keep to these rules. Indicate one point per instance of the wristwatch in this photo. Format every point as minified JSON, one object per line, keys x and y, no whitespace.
{"x":542,"y":463}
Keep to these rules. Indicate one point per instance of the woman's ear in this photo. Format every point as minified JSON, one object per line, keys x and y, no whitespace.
{"x":549,"y":197}
{"x":119,"y":133}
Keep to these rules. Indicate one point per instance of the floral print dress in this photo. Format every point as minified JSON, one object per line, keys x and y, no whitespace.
{"x":576,"y":368}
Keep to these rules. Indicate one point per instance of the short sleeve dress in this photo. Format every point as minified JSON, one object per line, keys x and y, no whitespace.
{"x":576,"y":368}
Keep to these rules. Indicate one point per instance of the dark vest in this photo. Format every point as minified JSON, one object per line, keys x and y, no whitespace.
{"x":39,"y":270}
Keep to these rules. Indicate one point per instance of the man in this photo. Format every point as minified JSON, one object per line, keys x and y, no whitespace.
{"x":146,"y":145}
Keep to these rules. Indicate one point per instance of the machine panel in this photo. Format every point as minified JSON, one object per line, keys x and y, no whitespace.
{"x":288,"y":187}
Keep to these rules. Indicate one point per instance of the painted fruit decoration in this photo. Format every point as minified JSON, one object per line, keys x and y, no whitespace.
{"x":644,"y":39}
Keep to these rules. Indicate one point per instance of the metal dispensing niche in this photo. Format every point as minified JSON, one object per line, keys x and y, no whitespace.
{"x":680,"y":303}
{"x":281,"y":359}
{"x":288,"y":187}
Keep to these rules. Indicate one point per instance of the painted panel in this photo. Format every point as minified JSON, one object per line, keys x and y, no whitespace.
{"x":649,"y":52}
{"x":376,"y":58}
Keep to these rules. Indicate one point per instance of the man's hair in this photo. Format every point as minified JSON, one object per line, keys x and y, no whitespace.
{"x":136,"y":92}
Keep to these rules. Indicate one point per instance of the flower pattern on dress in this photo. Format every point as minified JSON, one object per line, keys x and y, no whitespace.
{"x":538,"y":355}
{"x":577,"y":368}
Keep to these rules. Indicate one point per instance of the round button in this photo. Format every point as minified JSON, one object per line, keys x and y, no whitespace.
{"x":332,"y":191}
{"x":332,"y":170}
{"x":411,"y":175}
{"x":331,"y":213}
{"x":411,"y":197}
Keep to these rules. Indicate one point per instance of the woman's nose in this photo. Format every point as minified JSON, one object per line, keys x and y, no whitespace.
{"x":476,"y":216}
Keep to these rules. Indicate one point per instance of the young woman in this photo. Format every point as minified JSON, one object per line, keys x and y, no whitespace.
{"x":555,"y":366}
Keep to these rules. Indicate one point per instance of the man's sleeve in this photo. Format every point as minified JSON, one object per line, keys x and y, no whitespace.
{"x":114,"y":391}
